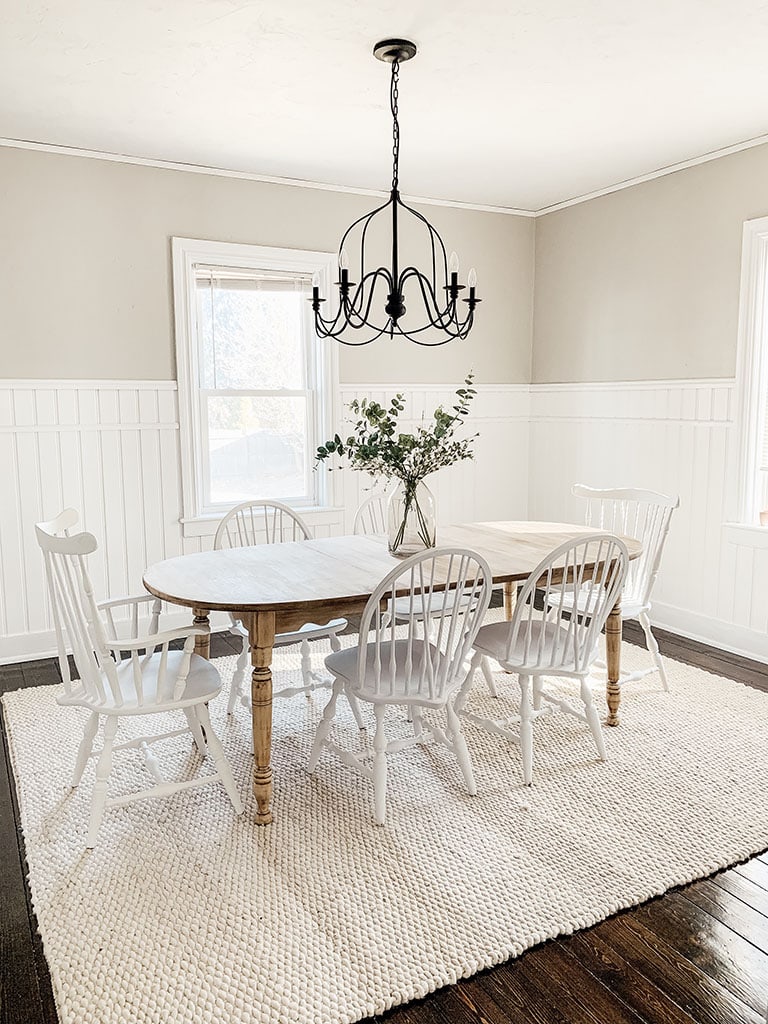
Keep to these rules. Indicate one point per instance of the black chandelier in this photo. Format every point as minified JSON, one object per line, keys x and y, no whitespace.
{"x":442,"y":313}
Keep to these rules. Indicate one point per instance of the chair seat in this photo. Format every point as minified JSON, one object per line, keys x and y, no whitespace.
{"x":554,"y":654}
{"x":630,"y":608}
{"x":309,"y":631}
{"x":438,"y":604}
{"x":407,"y":667}
{"x":203,"y":683}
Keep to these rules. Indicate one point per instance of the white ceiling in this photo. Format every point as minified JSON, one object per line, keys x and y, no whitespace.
{"x":511,"y":103}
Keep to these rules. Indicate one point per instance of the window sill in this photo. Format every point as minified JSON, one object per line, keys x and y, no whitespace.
{"x":746,"y":535}
{"x":206,"y":526}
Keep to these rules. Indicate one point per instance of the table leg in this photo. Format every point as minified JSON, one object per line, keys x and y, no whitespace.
{"x":261,"y":634}
{"x":510,"y":599}
{"x":202,"y":643}
{"x":613,"y":660}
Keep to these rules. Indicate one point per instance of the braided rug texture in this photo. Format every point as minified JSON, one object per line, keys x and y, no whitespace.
{"x":186,"y":913}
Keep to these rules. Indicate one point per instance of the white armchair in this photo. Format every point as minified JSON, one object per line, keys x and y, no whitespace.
{"x":153,"y":679}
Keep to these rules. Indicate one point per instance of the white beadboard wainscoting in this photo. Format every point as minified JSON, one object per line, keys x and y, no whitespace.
{"x":675,"y":437}
{"x":110,"y":449}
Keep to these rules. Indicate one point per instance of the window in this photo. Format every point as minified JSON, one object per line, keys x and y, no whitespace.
{"x":256,"y":385}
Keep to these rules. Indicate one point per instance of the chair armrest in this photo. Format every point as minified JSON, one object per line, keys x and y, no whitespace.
{"x":157,"y":639}
{"x":133,"y":603}
{"x":115,"y":602}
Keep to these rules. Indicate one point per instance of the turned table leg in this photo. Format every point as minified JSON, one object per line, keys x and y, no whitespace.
{"x":510,"y":599}
{"x":613,"y":660}
{"x":261,"y":634}
{"x":202,"y":643}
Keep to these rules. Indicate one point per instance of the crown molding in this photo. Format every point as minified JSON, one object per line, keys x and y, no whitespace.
{"x":660,"y":172}
{"x":223,"y":172}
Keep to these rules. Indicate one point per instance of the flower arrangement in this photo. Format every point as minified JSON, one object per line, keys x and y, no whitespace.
{"x":378,"y":447}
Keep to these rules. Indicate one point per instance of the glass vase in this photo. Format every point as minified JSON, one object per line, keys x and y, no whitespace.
{"x":411,"y":522}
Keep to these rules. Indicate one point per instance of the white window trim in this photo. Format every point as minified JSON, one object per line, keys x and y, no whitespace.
{"x":187,"y":253}
{"x":751,"y":367}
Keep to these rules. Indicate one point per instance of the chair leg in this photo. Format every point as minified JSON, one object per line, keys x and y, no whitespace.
{"x":236,"y":685}
{"x":194,"y":728}
{"x":219,"y":757}
{"x":103,"y":768}
{"x":538,"y":689}
{"x":306,"y":667}
{"x":653,"y":647}
{"x":466,"y":686}
{"x":324,"y":725}
{"x":485,"y":665}
{"x":354,"y":704}
{"x":461,"y":749}
{"x":593,"y":719}
{"x":380,"y":767}
{"x":416,"y":719}
{"x":526,"y":730}
{"x":85,"y":748}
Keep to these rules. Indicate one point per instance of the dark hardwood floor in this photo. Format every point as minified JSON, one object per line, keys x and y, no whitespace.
{"x":699,"y":953}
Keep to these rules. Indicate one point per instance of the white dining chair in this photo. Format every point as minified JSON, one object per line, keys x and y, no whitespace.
{"x":400,"y":667}
{"x":645,"y":516}
{"x":149,"y":682}
{"x":536,"y":644}
{"x":272,"y":522}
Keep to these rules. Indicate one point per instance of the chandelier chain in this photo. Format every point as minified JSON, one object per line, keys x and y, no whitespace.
{"x":393,"y":97}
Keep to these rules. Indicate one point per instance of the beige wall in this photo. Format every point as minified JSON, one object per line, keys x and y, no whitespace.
{"x":644,"y":283}
{"x":85,"y":273}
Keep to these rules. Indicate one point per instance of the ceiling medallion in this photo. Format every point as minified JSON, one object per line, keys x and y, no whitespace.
{"x":375,"y":305}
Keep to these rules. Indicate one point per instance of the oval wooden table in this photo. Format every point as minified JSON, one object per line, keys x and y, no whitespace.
{"x":276,"y":588}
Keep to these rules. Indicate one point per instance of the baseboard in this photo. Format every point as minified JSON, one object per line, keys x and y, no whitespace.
{"x":749,"y":643}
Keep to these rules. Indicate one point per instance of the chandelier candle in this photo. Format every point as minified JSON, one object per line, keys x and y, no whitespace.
{"x":375,"y":305}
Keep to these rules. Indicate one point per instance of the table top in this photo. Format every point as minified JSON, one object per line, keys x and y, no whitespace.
{"x":341,"y":570}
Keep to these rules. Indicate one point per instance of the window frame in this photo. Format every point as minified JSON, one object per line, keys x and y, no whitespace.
{"x":322,"y":384}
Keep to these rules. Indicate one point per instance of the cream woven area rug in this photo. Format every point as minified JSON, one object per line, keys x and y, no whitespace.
{"x":185,"y":913}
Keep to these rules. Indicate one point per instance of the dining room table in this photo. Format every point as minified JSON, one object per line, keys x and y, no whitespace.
{"x":277,"y":588}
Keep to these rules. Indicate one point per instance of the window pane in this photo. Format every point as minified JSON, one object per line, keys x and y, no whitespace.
{"x":257,"y":448}
{"x":251,"y":336}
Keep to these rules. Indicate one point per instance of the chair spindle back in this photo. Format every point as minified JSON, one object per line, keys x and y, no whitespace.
{"x":426,"y":580}
{"x":592,"y":570}
{"x":75,"y":615}
{"x":643,"y":515}
{"x":371,"y":516}
{"x":260,"y":522}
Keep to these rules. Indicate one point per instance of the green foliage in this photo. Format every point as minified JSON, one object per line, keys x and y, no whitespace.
{"x":377,"y":446}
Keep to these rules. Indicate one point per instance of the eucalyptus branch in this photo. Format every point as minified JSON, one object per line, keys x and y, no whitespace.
{"x":378,"y":447}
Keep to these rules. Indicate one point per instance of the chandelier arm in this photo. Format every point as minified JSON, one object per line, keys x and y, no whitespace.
{"x":442,"y":319}
{"x":450,"y":336}
{"x":372,"y":276}
{"x":355,"y":319}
